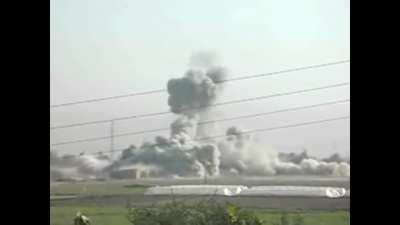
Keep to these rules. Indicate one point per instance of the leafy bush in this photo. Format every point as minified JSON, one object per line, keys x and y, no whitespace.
{"x":298,"y":220}
{"x":286,"y":220}
{"x":202,"y":213}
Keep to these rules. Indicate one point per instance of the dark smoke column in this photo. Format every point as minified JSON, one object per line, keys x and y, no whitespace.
{"x":189,"y":97}
{"x":196,"y":90}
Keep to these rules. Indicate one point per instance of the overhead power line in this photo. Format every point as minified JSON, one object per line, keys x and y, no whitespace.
{"x":254,"y":131}
{"x":221,"y":81}
{"x":108,"y":98}
{"x":280,"y":127}
{"x":203,"y":122}
{"x":201,"y":107}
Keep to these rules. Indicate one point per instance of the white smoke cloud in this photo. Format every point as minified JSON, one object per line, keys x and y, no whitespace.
{"x":241,"y":153}
{"x":312,"y":166}
{"x":343,"y":169}
{"x":196,"y":90}
{"x":68,"y":166}
{"x":186,"y":152}
{"x":92,"y":164}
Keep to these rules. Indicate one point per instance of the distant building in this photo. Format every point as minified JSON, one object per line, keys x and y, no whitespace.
{"x":129,"y":174}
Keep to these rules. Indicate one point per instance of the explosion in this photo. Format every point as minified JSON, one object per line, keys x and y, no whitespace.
{"x":188,"y":152}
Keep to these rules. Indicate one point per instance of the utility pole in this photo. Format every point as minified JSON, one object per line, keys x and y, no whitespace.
{"x":112,"y":139}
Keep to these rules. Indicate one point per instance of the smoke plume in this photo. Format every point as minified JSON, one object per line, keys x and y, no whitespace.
{"x":196,"y":90}
{"x":188,"y":152}
{"x":71,"y":167}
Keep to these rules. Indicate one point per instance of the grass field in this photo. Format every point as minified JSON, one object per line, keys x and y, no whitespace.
{"x":63,"y":215}
{"x":123,"y":192}
{"x":97,"y":188}
{"x":106,"y":206}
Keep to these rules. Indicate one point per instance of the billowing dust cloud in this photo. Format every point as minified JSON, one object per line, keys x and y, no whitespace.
{"x":188,"y":152}
{"x":196,"y":90}
{"x":70,"y":166}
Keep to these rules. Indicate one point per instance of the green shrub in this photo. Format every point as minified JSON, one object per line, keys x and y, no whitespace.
{"x":285,"y":219}
{"x":202,"y":213}
{"x":298,"y":220}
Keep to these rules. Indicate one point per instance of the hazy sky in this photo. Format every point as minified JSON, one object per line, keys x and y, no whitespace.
{"x":101,"y":48}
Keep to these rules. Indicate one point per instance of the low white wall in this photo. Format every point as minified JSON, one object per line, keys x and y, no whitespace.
{"x":225,"y":190}
{"x":330,"y":192}
{"x":239,"y":190}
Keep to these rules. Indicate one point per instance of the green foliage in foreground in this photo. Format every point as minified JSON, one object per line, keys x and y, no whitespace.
{"x":64,"y":215}
{"x":211,"y":212}
{"x":203,"y":213}
{"x":110,"y":215}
